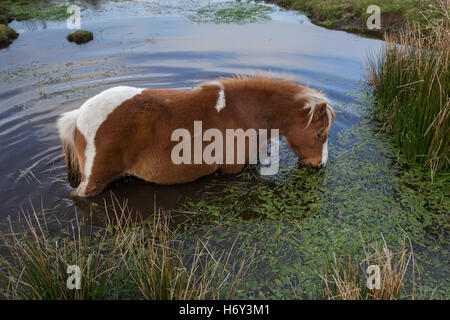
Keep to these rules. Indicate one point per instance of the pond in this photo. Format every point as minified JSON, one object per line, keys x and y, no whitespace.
{"x":294,"y":220}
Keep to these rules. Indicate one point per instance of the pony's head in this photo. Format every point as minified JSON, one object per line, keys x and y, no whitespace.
{"x":308,"y":138}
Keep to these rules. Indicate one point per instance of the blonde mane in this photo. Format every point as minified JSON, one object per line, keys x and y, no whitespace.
{"x":313,"y":99}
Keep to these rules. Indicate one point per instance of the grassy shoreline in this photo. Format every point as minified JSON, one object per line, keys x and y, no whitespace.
{"x":351,"y":15}
{"x":25,"y":10}
{"x":410,"y":80}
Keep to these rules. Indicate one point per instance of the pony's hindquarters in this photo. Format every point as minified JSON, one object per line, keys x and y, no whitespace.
{"x":67,"y":127}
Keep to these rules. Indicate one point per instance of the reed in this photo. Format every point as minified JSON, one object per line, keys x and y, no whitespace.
{"x":410,"y":80}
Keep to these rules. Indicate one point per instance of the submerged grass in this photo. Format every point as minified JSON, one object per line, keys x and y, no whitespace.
{"x":123,"y":261}
{"x":410,"y":79}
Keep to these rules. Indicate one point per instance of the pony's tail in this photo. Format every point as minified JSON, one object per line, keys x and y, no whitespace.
{"x":66,"y":126}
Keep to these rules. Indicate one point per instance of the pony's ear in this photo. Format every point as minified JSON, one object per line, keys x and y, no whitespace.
{"x":321,"y":109}
{"x":319,"y":90}
{"x":320,"y":112}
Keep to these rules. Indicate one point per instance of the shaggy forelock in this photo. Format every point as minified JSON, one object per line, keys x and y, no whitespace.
{"x":313,"y":99}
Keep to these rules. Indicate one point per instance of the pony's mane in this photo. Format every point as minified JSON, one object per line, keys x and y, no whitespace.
{"x":313,"y":99}
{"x":259,"y":82}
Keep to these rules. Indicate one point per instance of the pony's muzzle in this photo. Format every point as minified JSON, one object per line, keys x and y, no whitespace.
{"x":311,"y":164}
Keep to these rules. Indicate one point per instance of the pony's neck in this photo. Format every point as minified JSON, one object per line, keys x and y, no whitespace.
{"x":264,"y":103}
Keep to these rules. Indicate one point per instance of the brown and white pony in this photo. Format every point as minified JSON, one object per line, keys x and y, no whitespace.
{"x":128,"y":130}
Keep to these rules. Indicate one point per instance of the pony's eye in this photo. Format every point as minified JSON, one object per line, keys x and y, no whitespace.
{"x":319,"y":135}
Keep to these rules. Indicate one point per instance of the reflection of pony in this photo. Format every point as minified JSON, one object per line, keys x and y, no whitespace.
{"x":128,"y":130}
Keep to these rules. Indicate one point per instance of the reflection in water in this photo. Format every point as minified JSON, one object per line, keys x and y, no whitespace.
{"x":33,"y":25}
{"x":137,"y":200}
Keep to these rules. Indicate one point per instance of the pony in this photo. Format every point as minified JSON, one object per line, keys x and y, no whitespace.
{"x":127,"y":130}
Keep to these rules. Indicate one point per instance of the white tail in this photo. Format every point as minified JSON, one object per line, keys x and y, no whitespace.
{"x":67,"y":124}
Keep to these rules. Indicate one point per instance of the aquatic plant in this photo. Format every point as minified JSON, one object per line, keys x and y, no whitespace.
{"x":410,"y":79}
{"x":233,"y":12}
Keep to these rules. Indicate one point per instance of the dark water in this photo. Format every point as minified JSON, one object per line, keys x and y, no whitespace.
{"x":147,"y":45}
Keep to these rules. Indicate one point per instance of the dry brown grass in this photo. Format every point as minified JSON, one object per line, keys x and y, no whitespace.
{"x":345,"y":279}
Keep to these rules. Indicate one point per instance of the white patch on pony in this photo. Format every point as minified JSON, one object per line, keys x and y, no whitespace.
{"x":221,"y":103}
{"x":324,"y":153}
{"x":92,"y":114}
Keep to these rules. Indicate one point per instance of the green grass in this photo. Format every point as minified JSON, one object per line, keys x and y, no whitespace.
{"x":351,"y":14}
{"x":7,"y":35}
{"x":33,"y":9}
{"x":3,"y":20}
{"x":410,"y":79}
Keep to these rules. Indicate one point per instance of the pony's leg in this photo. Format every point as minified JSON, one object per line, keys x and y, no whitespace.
{"x":88,"y":189}
{"x":232,"y":168}
{"x":102,"y":173}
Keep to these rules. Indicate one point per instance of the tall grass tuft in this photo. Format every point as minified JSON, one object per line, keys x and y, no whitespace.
{"x":164,"y":270}
{"x":125,"y":261}
{"x":410,"y":79}
{"x":345,"y":278}
{"x":35,"y":266}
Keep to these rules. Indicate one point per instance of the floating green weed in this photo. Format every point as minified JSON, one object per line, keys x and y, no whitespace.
{"x":233,"y":12}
